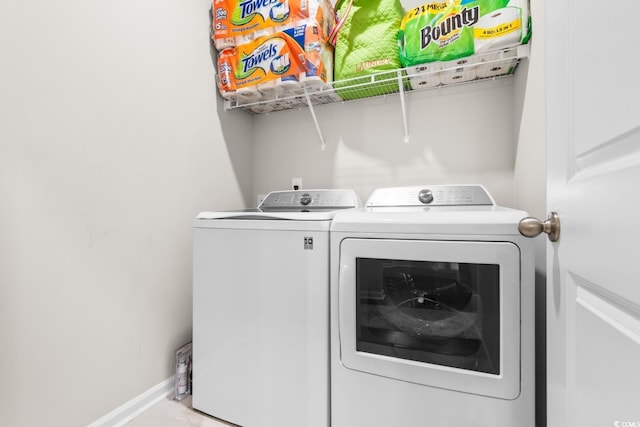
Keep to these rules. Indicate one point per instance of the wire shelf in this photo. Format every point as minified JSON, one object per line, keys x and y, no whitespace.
{"x":492,"y":65}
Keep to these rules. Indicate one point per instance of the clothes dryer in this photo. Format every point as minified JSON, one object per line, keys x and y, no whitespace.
{"x":261,"y":310}
{"x":432,"y":311}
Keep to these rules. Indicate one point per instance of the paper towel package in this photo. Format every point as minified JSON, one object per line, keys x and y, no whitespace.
{"x":238,"y":18}
{"x":282,"y":63}
{"x":453,"y":29}
{"x":318,"y":60}
{"x":226,"y":79}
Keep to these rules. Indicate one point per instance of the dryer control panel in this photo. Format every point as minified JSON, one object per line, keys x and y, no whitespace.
{"x":431,"y":195}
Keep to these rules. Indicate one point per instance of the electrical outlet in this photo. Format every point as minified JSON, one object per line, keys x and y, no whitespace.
{"x":296,"y":183}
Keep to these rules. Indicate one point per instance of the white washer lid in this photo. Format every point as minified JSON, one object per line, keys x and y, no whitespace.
{"x":293,"y":205}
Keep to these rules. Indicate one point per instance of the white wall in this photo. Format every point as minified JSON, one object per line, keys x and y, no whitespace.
{"x":111,"y":140}
{"x":461,"y":134}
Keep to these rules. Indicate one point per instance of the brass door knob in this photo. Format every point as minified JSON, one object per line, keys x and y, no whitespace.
{"x":531,"y":227}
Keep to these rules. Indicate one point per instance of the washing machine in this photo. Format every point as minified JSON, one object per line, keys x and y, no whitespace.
{"x":261,"y":310}
{"x":432,"y":311}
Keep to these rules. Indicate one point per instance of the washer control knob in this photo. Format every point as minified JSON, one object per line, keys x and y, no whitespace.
{"x":425,"y":196}
{"x":305,"y":199}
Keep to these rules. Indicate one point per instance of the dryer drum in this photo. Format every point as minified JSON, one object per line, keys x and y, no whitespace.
{"x":431,"y":306}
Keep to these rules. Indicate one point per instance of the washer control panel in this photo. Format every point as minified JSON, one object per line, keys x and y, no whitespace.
{"x":310,"y":199}
{"x":431,"y":195}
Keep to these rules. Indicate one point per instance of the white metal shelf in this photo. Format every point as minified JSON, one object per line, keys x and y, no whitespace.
{"x":492,"y":65}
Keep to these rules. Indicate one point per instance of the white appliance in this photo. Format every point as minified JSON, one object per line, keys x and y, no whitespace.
{"x":261,"y":310}
{"x":432,"y":311}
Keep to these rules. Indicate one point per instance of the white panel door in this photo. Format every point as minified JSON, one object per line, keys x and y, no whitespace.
{"x":593,"y":137}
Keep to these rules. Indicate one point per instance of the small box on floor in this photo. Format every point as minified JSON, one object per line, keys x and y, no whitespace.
{"x":182,"y":377}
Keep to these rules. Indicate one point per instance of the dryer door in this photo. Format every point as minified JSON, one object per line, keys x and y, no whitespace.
{"x":439,"y":313}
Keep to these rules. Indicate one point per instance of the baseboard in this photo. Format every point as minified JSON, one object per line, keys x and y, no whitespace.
{"x":125,"y":413}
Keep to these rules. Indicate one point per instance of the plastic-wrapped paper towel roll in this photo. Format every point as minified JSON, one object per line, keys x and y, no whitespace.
{"x":317,"y":55}
{"x":312,"y":82}
{"x":498,"y":29}
{"x":457,"y":75}
{"x":319,"y":62}
{"x":224,"y":43}
{"x":244,"y":38}
{"x":496,"y":68}
{"x":262,"y":108}
{"x":465,"y":62}
{"x":459,"y":70}
{"x":226,"y":79}
{"x":505,"y":54}
{"x":320,"y":12}
{"x":267,"y":89}
{"x":263,"y":32}
{"x":248,"y":94}
{"x":288,"y":86}
{"x":311,"y":78}
{"x":497,"y":63}
{"x":425,"y":75}
{"x":451,"y":77}
{"x":280,"y":12}
{"x":229,"y":95}
{"x":420,"y":82}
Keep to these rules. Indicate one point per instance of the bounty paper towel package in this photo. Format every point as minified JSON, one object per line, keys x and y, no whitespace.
{"x":452,"y":29}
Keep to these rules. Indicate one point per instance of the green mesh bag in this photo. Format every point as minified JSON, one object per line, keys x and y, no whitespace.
{"x":366,"y":43}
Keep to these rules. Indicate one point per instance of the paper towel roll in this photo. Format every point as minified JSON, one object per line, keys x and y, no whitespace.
{"x":224,"y":43}
{"x":263,"y":32}
{"x":425,"y":68}
{"x":288,"y":86}
{"x":496,"y":68}
{"x":248,"y":94}
{"x":424,"y":75}
{"x":421,"y":82}
{"x":244,"y":38}
{"x":313,"y":57}
{"x":498,"y":29}
{"x":267,"y":89}
{"x":501,"y":54}
{"x":262,"y":108}
{"x":229,"y":95}
{"x":281,"y":11}
{"x":311,"y":82}
{"x":225,"y":77}
{"x":320,"y":12}
{"x":458,"y":75}
{"x":465,"y":62}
